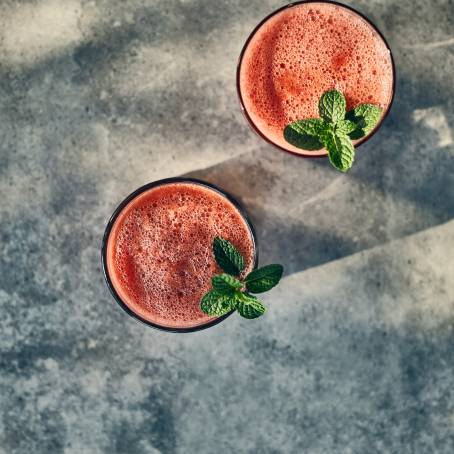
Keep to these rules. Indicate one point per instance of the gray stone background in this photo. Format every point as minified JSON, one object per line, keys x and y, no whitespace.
{"x":356,"y":352}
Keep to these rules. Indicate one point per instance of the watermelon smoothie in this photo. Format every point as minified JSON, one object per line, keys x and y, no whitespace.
{"x":302,"y":50}
{"x":157,"y":250}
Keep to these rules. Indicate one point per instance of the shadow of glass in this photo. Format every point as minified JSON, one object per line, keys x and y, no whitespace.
{"x":274,"y":188}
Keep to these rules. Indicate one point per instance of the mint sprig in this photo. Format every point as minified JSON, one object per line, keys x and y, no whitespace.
{"x":335,"y":130}
{"x":229,"y":292}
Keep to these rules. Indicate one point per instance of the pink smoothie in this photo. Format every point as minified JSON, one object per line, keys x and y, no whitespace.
{"x":159,"y":251}
{"x":303,"y":51}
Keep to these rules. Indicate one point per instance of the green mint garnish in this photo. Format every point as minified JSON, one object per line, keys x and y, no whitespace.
{"x":305,"y":133}
{"x":225,"y":283}
{"x":335,"y":130}
{"x":366,"y":117}
{"x":248,"y":306}
{"x":345,"y":126}
{"x":216,"y":304}
{"x":264,"y":279}
{"x":340,"y":148}
{"x":227,"y":293}
{"x":227,"y":256}
{"x":331,"y":106}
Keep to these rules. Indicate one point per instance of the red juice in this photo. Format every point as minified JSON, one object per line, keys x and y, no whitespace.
{"x":159,"y":251}
{"x":302,"y":51}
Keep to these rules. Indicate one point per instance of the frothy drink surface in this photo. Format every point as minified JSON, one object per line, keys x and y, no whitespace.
{"x":303,"y":51}
{"x":159,"y":251}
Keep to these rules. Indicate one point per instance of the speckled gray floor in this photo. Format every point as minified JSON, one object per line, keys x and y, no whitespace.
{"x":356,"y":352}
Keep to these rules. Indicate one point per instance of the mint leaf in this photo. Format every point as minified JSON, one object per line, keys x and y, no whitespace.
{"x":332,"y":106}
{"x":264,"y":279}
{"x":304,"y":133}
{"x":345,"y":126}
{"x":366,"y":117}
{"x":340,"y":149}
{"x":249,"y":306}
{"x":225,"y":283}
{"x":227,"y":291}
{"x":310,"y":126}
{"x":216,"y":304}
{"x":227,"y":256}
{"x":357,"y":134}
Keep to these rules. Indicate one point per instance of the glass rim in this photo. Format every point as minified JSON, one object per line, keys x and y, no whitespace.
{"x":114,"y":217}
{"x":249,"y":120}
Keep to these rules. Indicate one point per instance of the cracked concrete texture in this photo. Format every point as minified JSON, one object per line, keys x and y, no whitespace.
{"x":355,"y":352}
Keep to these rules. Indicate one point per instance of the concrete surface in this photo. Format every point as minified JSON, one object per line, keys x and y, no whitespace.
{"x":356,"y":352}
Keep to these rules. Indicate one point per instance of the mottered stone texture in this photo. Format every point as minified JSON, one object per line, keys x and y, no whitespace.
{"x":355,"y":353}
